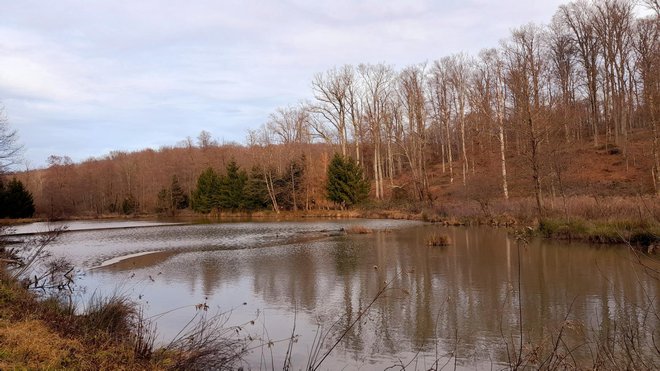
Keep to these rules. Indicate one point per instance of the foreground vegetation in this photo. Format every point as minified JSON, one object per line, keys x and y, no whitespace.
{"x":48,"y":334}
{"x":42,"y":326}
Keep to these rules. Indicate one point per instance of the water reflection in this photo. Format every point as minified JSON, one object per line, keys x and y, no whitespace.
{"x":457,"y":300}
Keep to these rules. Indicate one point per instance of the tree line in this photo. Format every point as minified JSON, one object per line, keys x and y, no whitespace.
{"x":504,"y":123}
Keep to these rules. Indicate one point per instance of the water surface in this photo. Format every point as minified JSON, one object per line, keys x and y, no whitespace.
{"x":457,"y":304}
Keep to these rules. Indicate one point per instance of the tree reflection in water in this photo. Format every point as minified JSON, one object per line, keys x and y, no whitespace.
{"x":460,"y":300}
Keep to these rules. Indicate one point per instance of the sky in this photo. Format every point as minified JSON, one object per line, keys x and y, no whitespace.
{"x":83,"y":78}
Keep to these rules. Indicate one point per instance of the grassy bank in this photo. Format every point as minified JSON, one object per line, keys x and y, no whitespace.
{"x":48,"y":334}
{"x":43,"y":332}
{"x":606,"y":220}
{"x":608,"y":232}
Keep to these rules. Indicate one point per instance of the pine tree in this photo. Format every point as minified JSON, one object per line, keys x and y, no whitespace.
{"x":255,"y":192}
{"x":346,"y":184}
{"x":178,"y":198}
{"x":173,"y":198}
{"x":15,"y":201}
{"x":205,"y":195}
{"x":232,"y":186}
{"x":130,"y":205}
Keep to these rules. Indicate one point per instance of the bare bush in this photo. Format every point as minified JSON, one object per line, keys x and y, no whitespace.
{"x":28,"y":261}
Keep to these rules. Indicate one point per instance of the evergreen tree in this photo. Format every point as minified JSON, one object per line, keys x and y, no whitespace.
{"x":232,"y":187}
{"x":129,"y":205}
{"x":15,"y":201}
{"x":346,"y":184}
{"x":255,"y":192}
{"x":173,"y":198}
{"x":178,"y":198}
{"x":205,"y":195}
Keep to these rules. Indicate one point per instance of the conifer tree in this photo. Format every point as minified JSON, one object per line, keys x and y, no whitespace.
{"x":173,"y":198}
{"x":231,"y":187}
{"x":179,"y":199}
{"x":346,"y":184}
{"x":255,"y":192}
{"x":15,"y":200}
{"x":205,"y":195}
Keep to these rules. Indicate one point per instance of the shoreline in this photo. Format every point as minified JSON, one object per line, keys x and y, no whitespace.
{"x":619,"y":228}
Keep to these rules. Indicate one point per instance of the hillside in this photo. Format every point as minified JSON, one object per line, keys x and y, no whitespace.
{"x":100,"y":187}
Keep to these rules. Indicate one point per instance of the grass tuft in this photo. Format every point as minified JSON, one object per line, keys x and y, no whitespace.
{"x":113,"y":315}
{"x":359,"y":229}
{"x":437,"y":239}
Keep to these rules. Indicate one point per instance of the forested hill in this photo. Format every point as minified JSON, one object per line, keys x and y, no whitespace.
{"x":565,"y":109}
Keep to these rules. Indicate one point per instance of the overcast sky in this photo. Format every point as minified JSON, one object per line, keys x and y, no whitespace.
{"x":83,"y":78}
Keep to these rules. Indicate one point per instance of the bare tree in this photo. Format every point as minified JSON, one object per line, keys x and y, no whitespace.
{"x":580,"y":19}
{"x":355,"y":108}
{"x":58,"y":188}
{"x":612,"y":20}
{"x":205,"y":140}
{"x":261,"y":150}
{"x":492,"y":71}
{"x":10,"y":150}
{"x":653,"y":5}
{"x":378,"y":82}
{"x":563,"y":54}
{"x":332,"y":92}
{"x":458,"y":69}
{"x":647,"y":45}
{"x":525,"y":65}
{"x":290,"y":125}
{"x":413,"y":101}
{"x":440,"y":99}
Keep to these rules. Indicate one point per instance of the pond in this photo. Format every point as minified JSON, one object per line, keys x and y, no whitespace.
{"x":391,"y":299}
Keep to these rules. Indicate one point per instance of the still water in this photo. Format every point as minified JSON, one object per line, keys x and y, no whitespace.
{"x":458,"y":305}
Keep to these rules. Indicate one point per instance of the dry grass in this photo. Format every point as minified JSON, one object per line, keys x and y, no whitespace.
{"x":207,"y":343}
{"x":359,"y":229}
{"x":437,"y":239}
{"x":113,"y":315}
{"x":31,"y":344}
{"x":109,"y":334}
{"x":46,"y":334}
